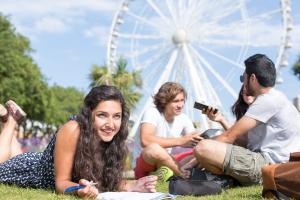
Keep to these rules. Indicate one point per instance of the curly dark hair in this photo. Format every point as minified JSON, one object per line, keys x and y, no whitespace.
{"x":240,"y":107}
{"x":166,"y":93}
{"x":96,"y":160}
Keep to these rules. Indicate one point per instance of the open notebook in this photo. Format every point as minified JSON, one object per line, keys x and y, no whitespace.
{"x":134,"y":196}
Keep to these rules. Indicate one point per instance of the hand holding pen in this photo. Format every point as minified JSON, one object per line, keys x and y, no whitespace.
{"x":84,"y":189}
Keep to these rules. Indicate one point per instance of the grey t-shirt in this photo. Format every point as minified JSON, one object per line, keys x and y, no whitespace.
{"x":278,"y":133}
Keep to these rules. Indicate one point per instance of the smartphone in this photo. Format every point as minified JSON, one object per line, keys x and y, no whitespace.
{"x":203,"y":107}
{"x":209,"y":133}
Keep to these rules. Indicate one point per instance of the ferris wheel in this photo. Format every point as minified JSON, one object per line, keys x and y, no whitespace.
{"x":199,"y":43}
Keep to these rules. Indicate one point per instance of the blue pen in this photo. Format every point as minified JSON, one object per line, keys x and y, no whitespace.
{"x":77,"y":187}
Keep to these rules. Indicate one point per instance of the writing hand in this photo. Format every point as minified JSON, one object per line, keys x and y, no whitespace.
{"x":88,"y":191}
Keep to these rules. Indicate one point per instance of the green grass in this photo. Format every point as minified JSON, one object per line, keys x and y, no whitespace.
{"x":253,"y":192}
{"x":16,"y":193}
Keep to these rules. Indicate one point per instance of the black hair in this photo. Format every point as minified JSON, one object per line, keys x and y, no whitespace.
{"x":263,"y":68}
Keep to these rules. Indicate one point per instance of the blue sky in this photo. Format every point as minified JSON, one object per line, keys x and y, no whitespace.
{"x":69,"y":36}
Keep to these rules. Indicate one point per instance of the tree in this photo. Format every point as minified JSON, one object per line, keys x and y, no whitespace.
{"x":21,"y":79}
{"x":63,"y":103}
{"x":296,"y":68}
{"x":127,"y":82}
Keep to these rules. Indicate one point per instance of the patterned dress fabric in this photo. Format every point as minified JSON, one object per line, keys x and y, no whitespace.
{"x":30,"y":169}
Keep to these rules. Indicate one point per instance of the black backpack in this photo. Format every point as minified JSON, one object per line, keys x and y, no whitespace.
{"x":200,"y":183}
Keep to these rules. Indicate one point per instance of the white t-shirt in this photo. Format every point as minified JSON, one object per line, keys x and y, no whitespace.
{"x":278,"y":133}
{"x":180,"y":126}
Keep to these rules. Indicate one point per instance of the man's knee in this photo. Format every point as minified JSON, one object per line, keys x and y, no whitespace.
{"x":203,"y":149}
{"x":153,"y":152}
{"x":207,"y":149}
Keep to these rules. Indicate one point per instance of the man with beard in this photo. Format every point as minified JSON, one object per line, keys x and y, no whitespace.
{"x":271,"y":122}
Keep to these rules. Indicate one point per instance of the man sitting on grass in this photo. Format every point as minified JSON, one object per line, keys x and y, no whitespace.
{"x":271,"y":122}
{"x":163,"y":128}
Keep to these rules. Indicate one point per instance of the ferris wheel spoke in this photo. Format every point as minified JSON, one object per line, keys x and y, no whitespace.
{"x":266,"y":15}
{"x":215,"y":73}
{"x":222,"y":57}
{"x":150,"y":74}
{"x":242,"y":22}
{"x":212,"y":95}
{"x":225,"y":12}
{"x":154,"y":59}
{"x":153,"y":71}
{"x":211,"y":28}
{"x":158,"y":11}
{"x":171,"y":11}
{"x":183,"y":8}
{"x":144,"y":51}
{"x":197,"y":70}
{"x":163,"y":77}
{"x":221,"y":42}
{"x":141,"y":19}
{"x":195,"y":81}
{"x":140,"y":37}
{"x":179,"y":11}
{"x":255,"y":18}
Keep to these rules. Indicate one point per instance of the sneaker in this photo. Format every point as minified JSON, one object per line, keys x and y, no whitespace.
{"x":15,"y":111}
{"x":163,"y":173}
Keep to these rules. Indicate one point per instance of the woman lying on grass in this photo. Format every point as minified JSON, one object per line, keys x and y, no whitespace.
{"x":90,"y":147}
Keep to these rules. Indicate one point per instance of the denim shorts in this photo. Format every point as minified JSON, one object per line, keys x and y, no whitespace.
{"x":243,"y":164}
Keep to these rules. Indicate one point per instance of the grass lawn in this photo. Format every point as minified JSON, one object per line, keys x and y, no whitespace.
{"x":16,"y":193}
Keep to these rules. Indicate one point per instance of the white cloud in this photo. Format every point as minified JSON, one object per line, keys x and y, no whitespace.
{"x":60,"y":7}
{"x":50,"y":25}
{"x":34,"y":15}
{"x":98,"y":33}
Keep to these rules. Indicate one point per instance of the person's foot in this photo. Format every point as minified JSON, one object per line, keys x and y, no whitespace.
{"x":15,"y":111}
{"x":3,"y":113}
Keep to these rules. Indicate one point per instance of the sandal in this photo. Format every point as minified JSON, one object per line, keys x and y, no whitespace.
{"x":3,"y":113}
{"x":15,"y":111}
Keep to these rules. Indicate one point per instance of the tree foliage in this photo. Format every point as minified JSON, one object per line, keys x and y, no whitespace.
{"x":63,"y":103}
{"x":127,"y":82}
{"x":22,"y":81}
{"x":296,"y":68}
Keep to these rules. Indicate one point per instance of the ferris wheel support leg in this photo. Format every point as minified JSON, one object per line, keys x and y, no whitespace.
{"x":195,"y":82}
{"x":164,"y":77}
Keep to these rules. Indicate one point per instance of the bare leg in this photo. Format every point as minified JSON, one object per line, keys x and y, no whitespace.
{"x":15,"y":145}
{"x":211,"y":155}
{"x":154,"y":154}
{"x":6,"y":137}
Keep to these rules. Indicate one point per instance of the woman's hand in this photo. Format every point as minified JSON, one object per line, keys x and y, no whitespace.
{"x":248,"y":99}
{"x":212,"y":115}
{"x":88,"y":191}
{"x":145,"y":184}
